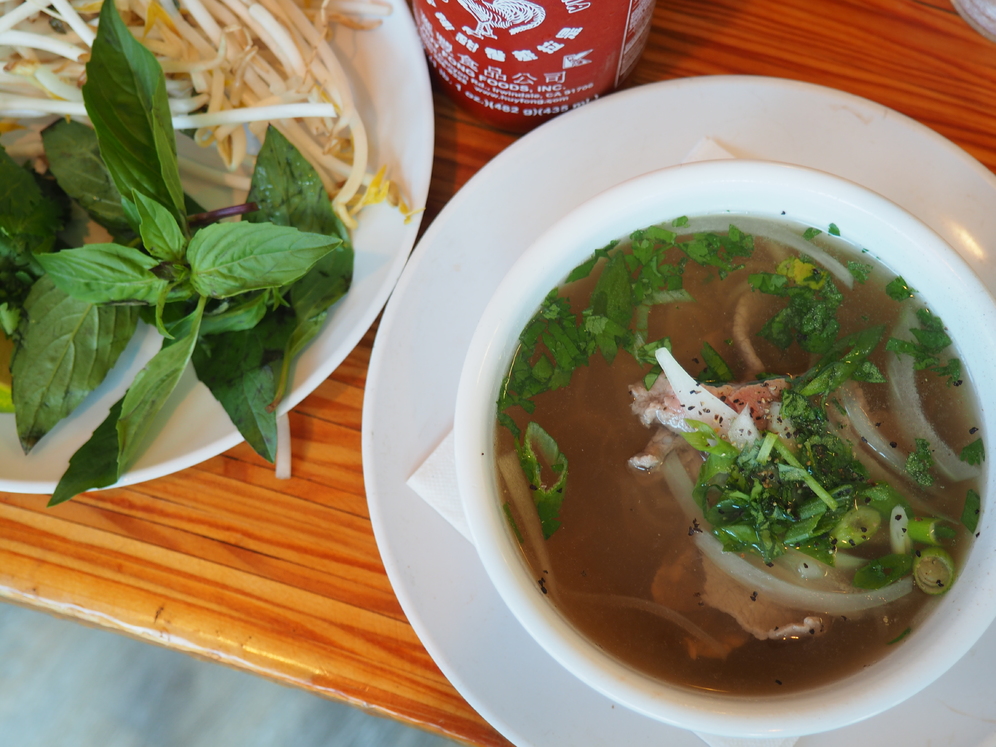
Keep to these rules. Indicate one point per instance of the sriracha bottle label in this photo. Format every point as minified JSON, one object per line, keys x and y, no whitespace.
{"x":516,"y":63}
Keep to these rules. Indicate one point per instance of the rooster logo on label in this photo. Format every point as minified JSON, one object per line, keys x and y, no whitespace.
{"x":511,"y":15}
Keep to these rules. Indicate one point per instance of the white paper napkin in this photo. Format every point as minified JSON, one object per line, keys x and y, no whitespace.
{"x":436,"y":483}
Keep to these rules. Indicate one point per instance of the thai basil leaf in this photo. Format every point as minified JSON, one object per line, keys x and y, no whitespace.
{"x":240,"y":368}
{"x":161,"y":235}
{"x":105,"y":273}
{"x":95,"y":463}
{"x":28,"y":220}
{"x":65,"y":350}
{"x":152,"y":387}
{"x":237,"y":318}
{"x":231,"y":258}
{"x":74,"y":158}
{"x":125,"y":96}
{"x":289,"y":192}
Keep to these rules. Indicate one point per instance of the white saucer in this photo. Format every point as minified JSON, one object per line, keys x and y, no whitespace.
{"x":415,"y":367}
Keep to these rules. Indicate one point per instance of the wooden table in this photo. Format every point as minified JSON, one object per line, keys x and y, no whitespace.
{"x":283,"y":578}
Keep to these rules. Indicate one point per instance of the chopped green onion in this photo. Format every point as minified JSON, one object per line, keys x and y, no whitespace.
{"x":933,"y":570}
{"x":856,"y":526}
{"x":807,"y":478}
{"x":929,"y":531}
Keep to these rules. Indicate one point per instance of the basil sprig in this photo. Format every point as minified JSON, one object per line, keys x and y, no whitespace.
{"x":239,"y":299}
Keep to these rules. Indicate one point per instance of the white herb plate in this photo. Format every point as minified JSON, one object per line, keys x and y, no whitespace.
{"x":426,"y":329}
{"x":390,"y":82}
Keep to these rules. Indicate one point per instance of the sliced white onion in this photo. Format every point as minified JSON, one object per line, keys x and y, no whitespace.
{"x":697,"y":402}
{"x":798,"y":597}
{"x":866,"y":430}
{"x":743,"y":429}
{"x":905,"y":397}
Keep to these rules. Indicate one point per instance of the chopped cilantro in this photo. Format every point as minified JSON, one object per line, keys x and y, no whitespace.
{"x":859,"y":270}
{"x":898,"y":290}
{"x":810,"y":318}
{"x":811,"y":233}
{"x":679,"y":222}
{"x":714,"y":250}
{"x":970,"y":513}
{"x":833,"y":230}
{"x":930,"y":339}
{"x":974,"y":453}
{"x":920,"y":462}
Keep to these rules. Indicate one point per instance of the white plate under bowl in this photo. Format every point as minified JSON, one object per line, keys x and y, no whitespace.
{"x":427,"y":327}
{"x":390,"y":81}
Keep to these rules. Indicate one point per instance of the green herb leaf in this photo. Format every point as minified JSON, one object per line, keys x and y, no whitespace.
{"x":105,"y":273}
{"x":95,"y":463}
{"x":859,"y":270}
{"x":65,"y":350}
{"x":289,"y":192}
{"x":231,"y":258}
{"x":930,"y":341}
{"x":152,"y":387}
{"x":74,"y":158}
{"x":970,"y":513}
{"x":125,"y":96}
{"x":717,"y":371}
{"x":898,"y":290}
{"x":847,"y":357}
{"x":883,"y":571}
{"x":920,"y":462}
{"x":811,"y":233}
{"x":241,"y":369}
{"x":243,"y":315}
{"x":28,"y":220}
{"x":974,"y":453}
{"x":833,"y":230}
{"x":161,"y":235}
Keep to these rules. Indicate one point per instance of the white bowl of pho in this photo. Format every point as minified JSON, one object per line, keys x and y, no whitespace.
{"x":735,"y":478}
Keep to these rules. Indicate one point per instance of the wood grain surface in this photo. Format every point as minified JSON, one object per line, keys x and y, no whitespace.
{"x":283,"y":578}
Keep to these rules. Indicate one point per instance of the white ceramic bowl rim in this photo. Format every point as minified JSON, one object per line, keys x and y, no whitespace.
{"x":762,"y":189}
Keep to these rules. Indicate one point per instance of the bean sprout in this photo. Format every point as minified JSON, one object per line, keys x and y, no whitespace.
{"x":230,"y":65}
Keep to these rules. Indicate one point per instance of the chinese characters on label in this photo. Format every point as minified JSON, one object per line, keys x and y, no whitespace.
{"x":521,"y":61}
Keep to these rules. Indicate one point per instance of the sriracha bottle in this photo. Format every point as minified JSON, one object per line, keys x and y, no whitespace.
{"x":517,"y":63}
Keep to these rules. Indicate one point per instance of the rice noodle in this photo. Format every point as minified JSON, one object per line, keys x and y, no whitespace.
{"x":783,"y":592}
{"x":905,"y":397}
